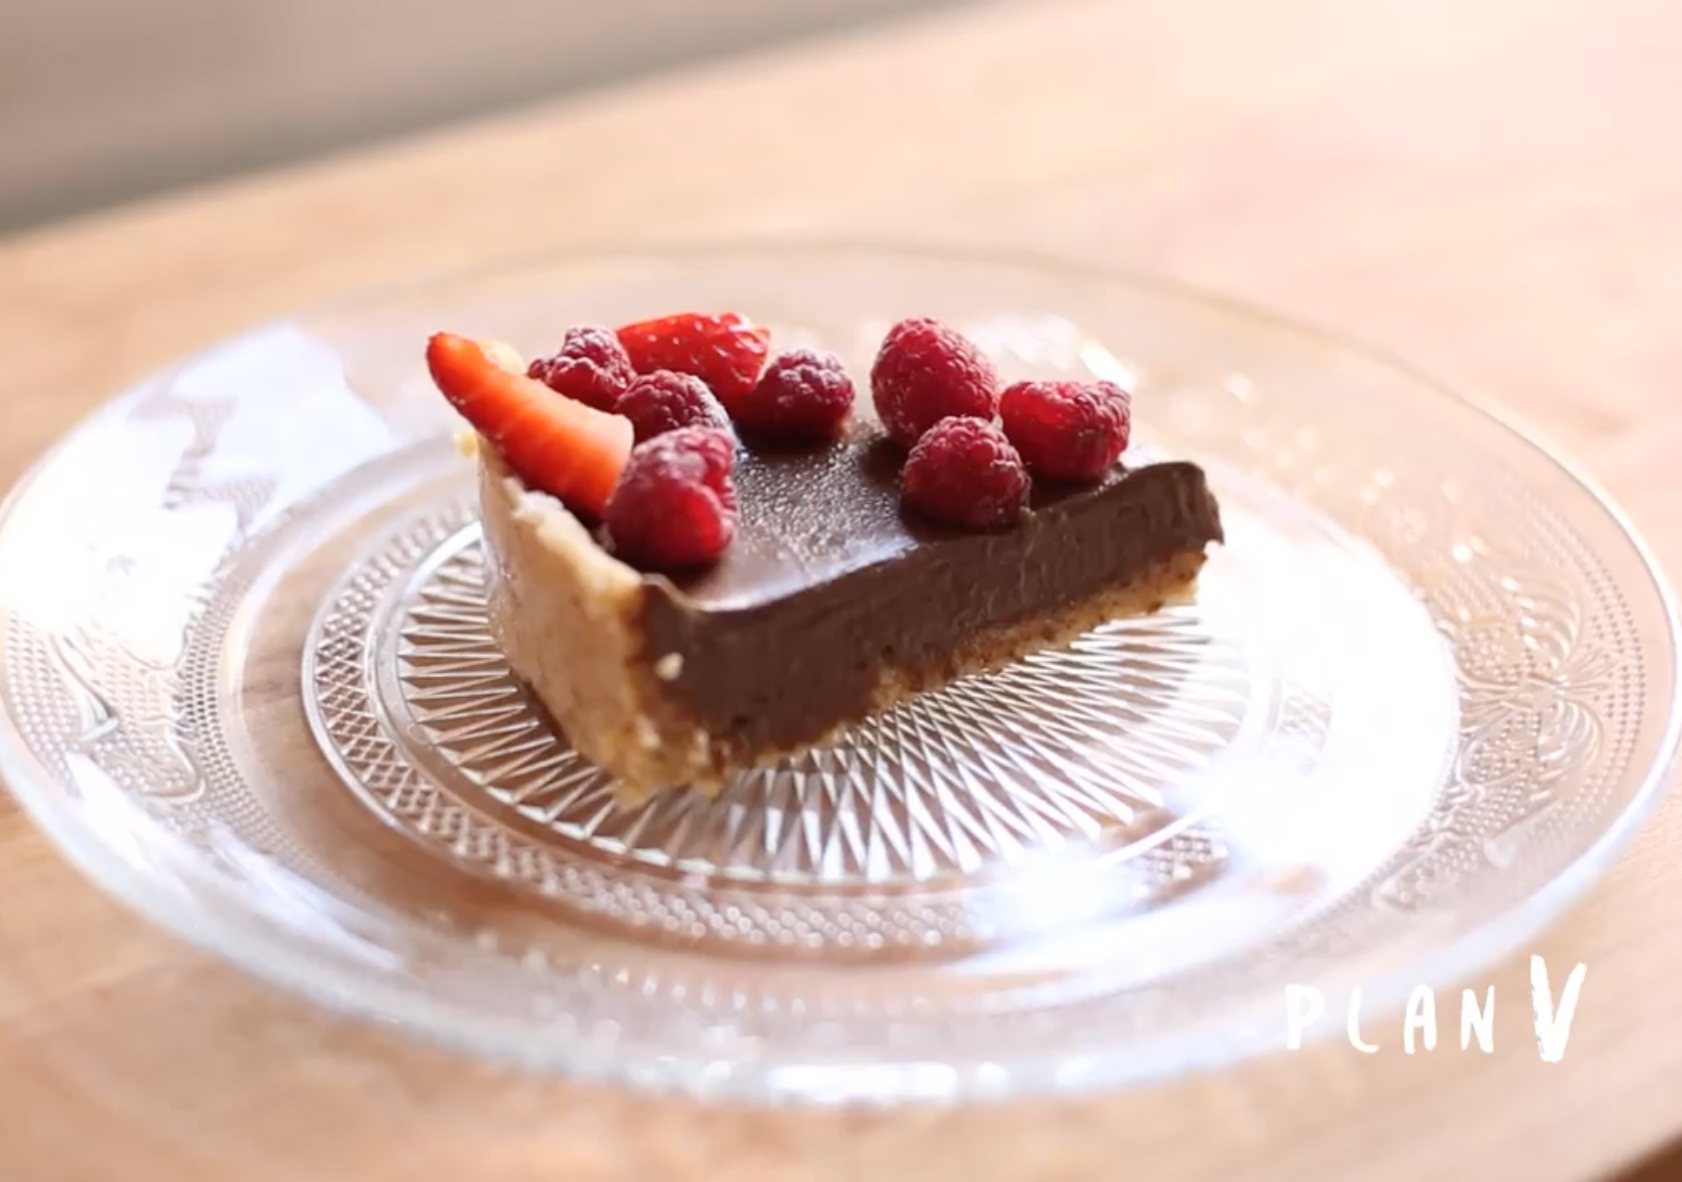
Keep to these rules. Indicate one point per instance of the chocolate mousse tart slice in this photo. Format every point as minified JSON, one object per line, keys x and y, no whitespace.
{"x":703,"y":559}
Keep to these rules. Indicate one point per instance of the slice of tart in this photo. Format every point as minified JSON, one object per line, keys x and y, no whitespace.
{"x":744,"y":562}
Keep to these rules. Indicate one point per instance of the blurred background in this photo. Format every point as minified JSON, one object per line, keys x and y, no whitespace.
{"x":104,"y":101}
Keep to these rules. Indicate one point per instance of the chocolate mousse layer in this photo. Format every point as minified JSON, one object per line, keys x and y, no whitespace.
{"x":831,"y":591}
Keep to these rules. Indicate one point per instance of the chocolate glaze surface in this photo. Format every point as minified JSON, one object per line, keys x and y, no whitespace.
{"x":828,"y":580}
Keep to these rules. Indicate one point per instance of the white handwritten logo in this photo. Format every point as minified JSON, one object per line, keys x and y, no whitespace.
{"x":1306,"y":1005}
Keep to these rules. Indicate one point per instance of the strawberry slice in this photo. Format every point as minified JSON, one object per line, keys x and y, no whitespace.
{"x":726,"y":351}
{"x":556,"y":445}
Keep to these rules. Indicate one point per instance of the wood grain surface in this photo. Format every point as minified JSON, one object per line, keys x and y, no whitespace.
{"x":1492,"y":189}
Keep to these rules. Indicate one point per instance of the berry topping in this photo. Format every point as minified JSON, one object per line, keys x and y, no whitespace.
{"x":963,"y":471}
{"x":565,"y":448}
{"x":1067,"y":430}
{"x":802,"y":397}
{"x":664,"y":401}
{"x":675,"y":508}
{"x":725,"y":351}
{"x":926,"y":371}
{"x":592,"y":367}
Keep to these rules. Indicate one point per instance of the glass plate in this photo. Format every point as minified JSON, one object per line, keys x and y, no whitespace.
{"x":1426,"y":692}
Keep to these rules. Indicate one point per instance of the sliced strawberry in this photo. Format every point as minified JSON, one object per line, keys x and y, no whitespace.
{"x":726,"y":351}
{"x":554,"y":444}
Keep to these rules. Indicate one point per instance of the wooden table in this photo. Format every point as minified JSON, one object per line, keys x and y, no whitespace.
{"x":1493,"y":189}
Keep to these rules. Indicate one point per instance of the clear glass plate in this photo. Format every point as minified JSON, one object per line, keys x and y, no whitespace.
{"x":1427,"y":690}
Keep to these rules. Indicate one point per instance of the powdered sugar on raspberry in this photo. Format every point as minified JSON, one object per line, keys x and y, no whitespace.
{"x":591,"y":367}
{"x":675,"y":506}
{"x":804,"y":396}
{"x":664,"y":401}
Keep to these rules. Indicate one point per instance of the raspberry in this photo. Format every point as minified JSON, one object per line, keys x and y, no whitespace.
{"x":665,"y":401}
{"x":592,"y":367}
{"x":964,"y":471}
{"x":926,"y":371}
{"x":1067,"y":430}
{"x":802,"y":397}
{"x":675,"y":506}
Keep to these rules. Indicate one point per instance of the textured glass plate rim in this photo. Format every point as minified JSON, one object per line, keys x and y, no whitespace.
{"x":254,"y":944}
